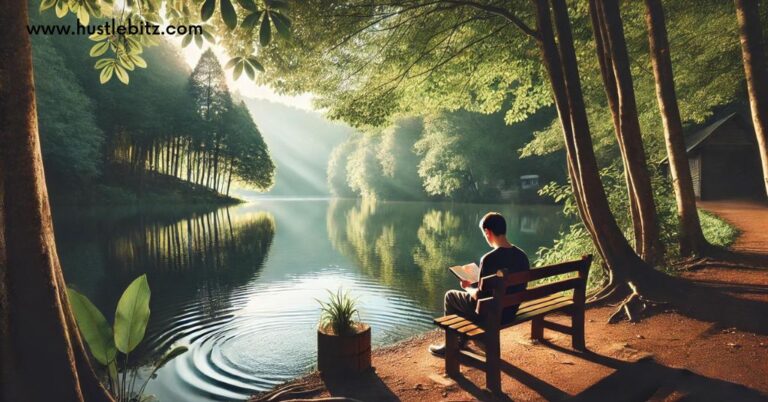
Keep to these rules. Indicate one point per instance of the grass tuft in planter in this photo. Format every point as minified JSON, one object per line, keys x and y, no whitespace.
{"x":343,"y":344}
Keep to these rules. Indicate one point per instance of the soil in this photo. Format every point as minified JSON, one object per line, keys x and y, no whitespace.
{"x":714,"y":349}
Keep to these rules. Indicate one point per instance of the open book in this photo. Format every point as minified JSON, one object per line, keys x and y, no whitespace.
{"x":469,"y":272}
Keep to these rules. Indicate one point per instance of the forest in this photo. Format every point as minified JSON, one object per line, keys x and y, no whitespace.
{"x":118,"y":143}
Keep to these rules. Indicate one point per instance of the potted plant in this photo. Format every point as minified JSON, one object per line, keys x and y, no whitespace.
{"x":343,"y":345}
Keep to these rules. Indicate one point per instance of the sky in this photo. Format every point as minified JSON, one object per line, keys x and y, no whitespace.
{"x":244,"y":86}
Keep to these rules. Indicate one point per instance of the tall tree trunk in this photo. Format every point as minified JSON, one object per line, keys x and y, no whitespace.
{"x":750,"y":33}
{"x":690,"y":236}
{"x":41,"y":353}
{"x":609,"y":83}
{"x":630,"y":137}
{"x":560,"y":62}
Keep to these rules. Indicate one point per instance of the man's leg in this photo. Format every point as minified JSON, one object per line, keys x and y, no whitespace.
{"x":460,"y":303}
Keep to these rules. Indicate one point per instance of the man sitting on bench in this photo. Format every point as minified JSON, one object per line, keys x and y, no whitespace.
{"x":504,"y":256}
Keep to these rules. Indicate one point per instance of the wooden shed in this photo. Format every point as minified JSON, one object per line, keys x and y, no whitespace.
{"x":724,"y":160}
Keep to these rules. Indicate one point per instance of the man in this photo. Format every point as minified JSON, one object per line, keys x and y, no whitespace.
{"x":504,"y":256}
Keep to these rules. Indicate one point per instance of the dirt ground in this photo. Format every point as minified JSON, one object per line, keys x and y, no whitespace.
{"x":716,"y":349}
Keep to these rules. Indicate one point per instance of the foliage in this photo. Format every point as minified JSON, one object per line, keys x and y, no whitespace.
{"x":337,"y":313}
{"x":576,"y":241}
{"x":121,"y":51}
{"x":71,"y":140}
{"x":131,"y":318}
{"x":717,"y":231}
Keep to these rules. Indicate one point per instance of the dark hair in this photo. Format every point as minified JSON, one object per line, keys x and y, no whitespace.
{"x":494,"y":222}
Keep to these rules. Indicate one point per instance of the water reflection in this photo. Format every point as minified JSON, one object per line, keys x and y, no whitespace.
{"x":239,"y":284}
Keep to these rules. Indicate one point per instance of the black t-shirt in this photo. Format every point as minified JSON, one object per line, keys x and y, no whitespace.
{"x":509,"y":259}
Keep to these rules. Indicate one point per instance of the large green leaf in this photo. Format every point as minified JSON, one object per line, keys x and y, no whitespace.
{"x":265,"y":32}
{"x":228,"y":14}
{"x":94,"y":327}
{"x":132,"y":315}
{"x":206,"y":11}
{"x":282,"y":24}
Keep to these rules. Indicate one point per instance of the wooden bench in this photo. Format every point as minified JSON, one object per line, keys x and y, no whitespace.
{"x":535,"y":303}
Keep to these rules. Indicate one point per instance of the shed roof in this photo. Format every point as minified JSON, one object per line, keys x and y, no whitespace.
{"x":693,"y":140}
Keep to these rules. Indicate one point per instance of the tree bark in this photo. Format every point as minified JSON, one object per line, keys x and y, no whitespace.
{"x":753,"y":54}
{"x":609,"y":84}
{"x":690,"y":236}
{"x":630,"y":137}
{"x":560,"y":62}
{"x":43,"y":357}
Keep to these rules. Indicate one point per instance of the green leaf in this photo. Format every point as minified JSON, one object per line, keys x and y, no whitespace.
{"x":248,"y":5}
{"x":282,"y":24}
{"x":228,"y":14}
{"x":138,"y":61}
{"x":238,"y":71}
{"x":62,"y":8}
{"x":122,"y":75}
{"x":277,"y":4}
{"x":231,"y":63}
{"x":186,"y":40}
{"x":83,"y":16}
{"x":172,"y":354}
{"x":250,"y":21}
{"x":101,"y":63}
{"x":94,"y":328}
{"x":199,"y":41}
{"x":132,"y":312}
{"x":265,"y":32}
{"x":207,"y":35}
{"x":106,"y":73}
{"x":46,"y":4}
{"x":99,"y":49}
{"x":206,"y":11}
{"x":255,"y":64}
{"x":249,"y":71}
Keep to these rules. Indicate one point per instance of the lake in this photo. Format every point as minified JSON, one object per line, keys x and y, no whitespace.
{"x":239,"y":284}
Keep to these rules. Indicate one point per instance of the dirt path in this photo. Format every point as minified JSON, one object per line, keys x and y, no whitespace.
{"x":718,"y":352}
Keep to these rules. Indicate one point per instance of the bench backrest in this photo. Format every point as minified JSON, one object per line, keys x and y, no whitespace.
{"x":497,"y":285}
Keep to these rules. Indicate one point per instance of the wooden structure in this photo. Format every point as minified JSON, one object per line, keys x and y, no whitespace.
{"x":344,"y":354}
{"x":724,"y":160}
{"x":561,"y":295}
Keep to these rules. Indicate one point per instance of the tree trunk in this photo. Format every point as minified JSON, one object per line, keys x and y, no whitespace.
{"x":755,"y":72}
{"x":560,"y":62}
{"x":630,"y":137}
{"x":609,"y":83}
{"x":41,"y":352}
{"x":690,"y":236}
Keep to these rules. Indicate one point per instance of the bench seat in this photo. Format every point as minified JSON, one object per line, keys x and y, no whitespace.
{"x":527,"y":311}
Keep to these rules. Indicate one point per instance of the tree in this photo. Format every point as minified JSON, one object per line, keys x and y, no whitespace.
{"x":753,"y":54}
{"x":617,"y":79}
{"x":70,"y":146}
{"x":31,"y":280}
{"x":690,"y":237}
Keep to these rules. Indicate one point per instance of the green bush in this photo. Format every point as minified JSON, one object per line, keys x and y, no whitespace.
{"x":575,"y":241}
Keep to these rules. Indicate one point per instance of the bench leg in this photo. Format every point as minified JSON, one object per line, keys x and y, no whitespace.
{"x":493,"y":362}
{"x":537,"y":328}
{"x":577,"y":326}
{"x":451,"y":353}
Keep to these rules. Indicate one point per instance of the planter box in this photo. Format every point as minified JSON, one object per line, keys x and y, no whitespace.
{"x":344,"y":353}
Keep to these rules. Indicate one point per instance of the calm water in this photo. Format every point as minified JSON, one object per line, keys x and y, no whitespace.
{"x":239,"y":284}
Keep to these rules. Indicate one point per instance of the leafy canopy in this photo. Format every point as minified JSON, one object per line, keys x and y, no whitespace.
{"x":242,"y":28}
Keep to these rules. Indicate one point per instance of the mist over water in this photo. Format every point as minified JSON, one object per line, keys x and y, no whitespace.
{"x":239,"y":284}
